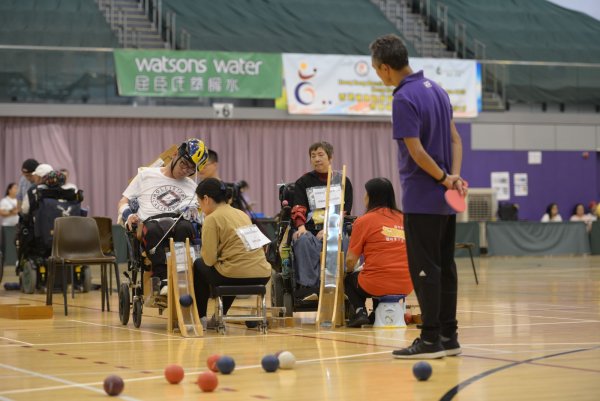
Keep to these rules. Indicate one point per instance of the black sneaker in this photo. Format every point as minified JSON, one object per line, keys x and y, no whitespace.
{"x":372,"y":318}
{"x":451,"y":346}
{"x":359,"y":319}
{"x":420,"y":350}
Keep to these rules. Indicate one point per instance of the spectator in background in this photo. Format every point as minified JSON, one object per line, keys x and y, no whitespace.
{"x":8,"y":206}
{"x":594,"y":209}
{"x":580,"y":215}
{"x":211,"y":169}
{"x":37,"y":177}
{"x":27,"y":180}
{"x":552,"y":215}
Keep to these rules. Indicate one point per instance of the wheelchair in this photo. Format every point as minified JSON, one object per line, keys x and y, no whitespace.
{"x":131,"y":291}
{"x":34,"y":237}
{"x":285,"y":291}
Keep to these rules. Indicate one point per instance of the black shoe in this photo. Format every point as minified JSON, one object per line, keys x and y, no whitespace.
{"x":359,"y":319}
{"x":451,"y":346}
{"x":420,"y":350}
{"x":372,"y":318}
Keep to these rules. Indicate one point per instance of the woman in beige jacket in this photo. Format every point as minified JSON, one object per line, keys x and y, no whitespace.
{"x":224,"y":258}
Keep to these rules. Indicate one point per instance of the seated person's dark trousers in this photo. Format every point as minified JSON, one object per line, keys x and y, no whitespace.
{"x":205,"y":276}
{"x":356,"y":295}
{"x":154,"y":231}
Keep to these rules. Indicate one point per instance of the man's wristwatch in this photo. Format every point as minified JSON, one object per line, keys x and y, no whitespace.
{"x":442,"y":179}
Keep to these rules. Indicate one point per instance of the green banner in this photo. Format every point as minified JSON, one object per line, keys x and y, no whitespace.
{"x":167,"y":73}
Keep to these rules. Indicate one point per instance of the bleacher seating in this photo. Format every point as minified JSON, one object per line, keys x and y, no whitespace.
{"x":291,"y":26}
{"x":533,"y":30}
{"x":54,"y":23}
{"x":76,"y":76}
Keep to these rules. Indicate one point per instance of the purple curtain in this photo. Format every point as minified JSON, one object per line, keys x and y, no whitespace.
{"x":103,"y":154}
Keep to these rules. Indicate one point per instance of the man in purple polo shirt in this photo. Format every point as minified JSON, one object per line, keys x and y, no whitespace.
{"x":429,"y":160}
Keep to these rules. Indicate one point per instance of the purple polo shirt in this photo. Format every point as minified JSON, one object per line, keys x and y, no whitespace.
{"x":421,"y":109}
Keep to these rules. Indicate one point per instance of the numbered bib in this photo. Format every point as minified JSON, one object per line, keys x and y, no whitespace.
{"x":317,"y":196}
{"x":252,"y":237}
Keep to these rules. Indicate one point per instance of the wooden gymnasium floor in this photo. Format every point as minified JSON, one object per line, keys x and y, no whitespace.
{"x":530,"y":330}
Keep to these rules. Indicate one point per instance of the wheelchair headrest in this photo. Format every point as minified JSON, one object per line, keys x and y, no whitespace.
{"x":286,"y":192}
{"x":69,"y":194}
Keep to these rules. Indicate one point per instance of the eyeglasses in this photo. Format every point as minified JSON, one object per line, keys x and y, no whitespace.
{"x":187,"y":167}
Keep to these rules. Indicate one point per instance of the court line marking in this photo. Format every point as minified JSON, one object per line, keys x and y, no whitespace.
{"x":518,"y":315}
{"x":17,"y":341}
{"x":170,"y":336}
{"x":536,"y":344}
{"x":449,"y":395}
{"x":578,"y":312}
{"x":124,"y":328}
{"x":494,"y":351}
{"x":256,"y":366}
{"x":528,"y":324}
{"x":146,"y":378}
{"x":534,"y":303}
{"x":69,"y":383}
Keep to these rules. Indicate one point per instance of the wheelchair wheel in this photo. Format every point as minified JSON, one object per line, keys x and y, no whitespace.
{"x":124,"y":304}
{"x":276,"y":289}
{"x":28,"y":277}
{"x":288,"y":302}
{"x":137,"y":312}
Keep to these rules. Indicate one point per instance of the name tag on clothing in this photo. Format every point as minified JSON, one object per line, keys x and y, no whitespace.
{"x":252,"y":237}
{"x":317,"y":196}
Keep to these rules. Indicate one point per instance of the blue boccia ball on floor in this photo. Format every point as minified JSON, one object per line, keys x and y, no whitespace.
{"x":270,"y":363}
{"x":225,"y":364}
{"x":422,"y":370}
{"x":186,"y":300}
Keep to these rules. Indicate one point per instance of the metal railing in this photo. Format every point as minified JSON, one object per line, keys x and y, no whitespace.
{"x":129,"y":36}
{"x":67,"y":75}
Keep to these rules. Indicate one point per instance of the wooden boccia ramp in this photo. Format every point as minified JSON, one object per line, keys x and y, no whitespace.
{"x":183,"y":319}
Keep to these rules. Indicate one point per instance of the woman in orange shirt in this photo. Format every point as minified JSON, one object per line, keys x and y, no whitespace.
{"x":378,"y":235}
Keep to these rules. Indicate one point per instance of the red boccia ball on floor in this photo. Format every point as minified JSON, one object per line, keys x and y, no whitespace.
{"x":211,"y":362}
{"x":207,"y":381}
{"x":174,"y":373}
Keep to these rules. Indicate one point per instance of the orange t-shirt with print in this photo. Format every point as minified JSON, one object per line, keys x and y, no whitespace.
{"x":379,"y":236}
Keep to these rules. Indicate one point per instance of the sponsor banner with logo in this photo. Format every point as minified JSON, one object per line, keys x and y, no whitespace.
{"x":338,"y":84}
{"x":198,"y":74}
